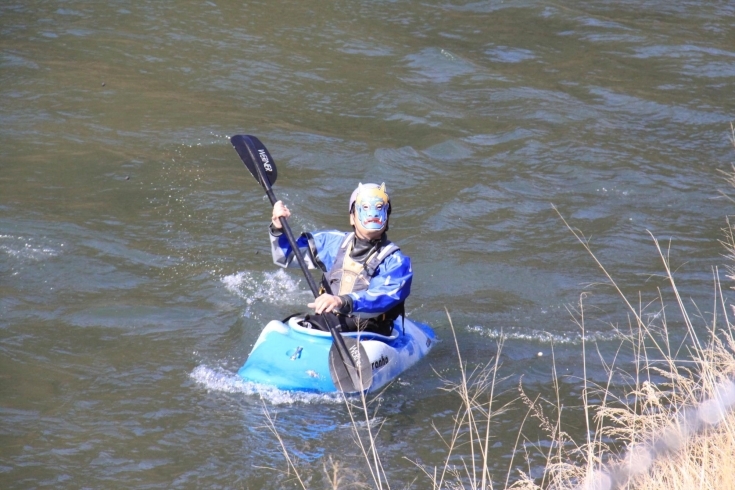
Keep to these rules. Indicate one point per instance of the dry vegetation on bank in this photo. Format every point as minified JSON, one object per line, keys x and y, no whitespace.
{"x":671,"y":429}
{"x":675,"y":421}
{"x":668,"y":426}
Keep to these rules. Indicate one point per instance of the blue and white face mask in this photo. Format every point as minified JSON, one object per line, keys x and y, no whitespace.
{"x":371,"y":206}
{"x":372,"y":212}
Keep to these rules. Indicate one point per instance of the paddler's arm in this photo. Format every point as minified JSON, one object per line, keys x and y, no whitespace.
{"x":281,"y":250}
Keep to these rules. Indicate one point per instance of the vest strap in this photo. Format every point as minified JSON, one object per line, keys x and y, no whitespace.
{"x":360,"y":275}
{"x":371,"y":265}
{"x":312,"y":251}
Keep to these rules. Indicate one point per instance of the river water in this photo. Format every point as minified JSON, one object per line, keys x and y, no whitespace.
{"x":135,"y":272}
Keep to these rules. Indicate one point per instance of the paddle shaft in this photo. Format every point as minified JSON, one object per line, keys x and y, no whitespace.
{"x":292,"y":240}
{"x":344,"y":353}
{"x":261,"y":165}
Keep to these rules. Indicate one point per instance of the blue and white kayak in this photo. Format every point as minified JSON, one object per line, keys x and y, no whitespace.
{"x":288,"y":356}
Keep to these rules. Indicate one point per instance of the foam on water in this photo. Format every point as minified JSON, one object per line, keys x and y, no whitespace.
{"x":218,"y":379}
{"x":543,"y":337}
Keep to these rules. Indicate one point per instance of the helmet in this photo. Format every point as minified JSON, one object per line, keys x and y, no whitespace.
{"x":369,"y":190}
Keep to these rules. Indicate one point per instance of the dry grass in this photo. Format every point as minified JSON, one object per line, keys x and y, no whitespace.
{"x":472,"y":427}
{"x":664,"y":421}
{"x":672,"y":421}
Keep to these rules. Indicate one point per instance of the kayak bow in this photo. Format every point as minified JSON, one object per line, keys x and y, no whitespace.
{"x":288,"y":356}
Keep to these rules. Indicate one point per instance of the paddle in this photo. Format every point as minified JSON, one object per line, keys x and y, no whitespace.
{"x":345,"y":350}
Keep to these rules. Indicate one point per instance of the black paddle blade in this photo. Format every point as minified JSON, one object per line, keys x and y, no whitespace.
{"x":345,"y":376}
{"x":256,"y":158}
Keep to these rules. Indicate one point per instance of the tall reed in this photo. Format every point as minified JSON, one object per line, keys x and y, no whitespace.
{"x":659,"y":429}
{"x":663,"y":421}
{"x":663,"y":424}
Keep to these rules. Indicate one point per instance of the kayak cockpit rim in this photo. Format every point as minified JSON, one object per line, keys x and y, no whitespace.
{"x":293,"y":322}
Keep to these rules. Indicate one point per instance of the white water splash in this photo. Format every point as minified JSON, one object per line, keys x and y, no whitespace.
{"x":217,"y":379}
{"x":273,"y":287}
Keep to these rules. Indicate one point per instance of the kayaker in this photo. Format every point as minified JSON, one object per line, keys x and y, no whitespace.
{"x":366,"y":277}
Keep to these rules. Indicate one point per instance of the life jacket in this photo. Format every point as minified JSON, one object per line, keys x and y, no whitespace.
{"x":348,"y":276}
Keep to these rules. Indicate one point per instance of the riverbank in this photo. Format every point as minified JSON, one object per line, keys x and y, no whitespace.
{"x":664,"y":422}
{"x":670,"y":427}
{"x":673,"y":428}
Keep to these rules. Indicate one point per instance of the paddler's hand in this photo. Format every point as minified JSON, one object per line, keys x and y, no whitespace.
{"x":279,"y":211}
{"x":326,"y":303}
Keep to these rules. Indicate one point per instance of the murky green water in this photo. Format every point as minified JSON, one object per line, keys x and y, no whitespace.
{"x":134,"y":261}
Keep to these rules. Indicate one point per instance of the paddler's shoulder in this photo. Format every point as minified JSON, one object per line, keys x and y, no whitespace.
{"x":329,"y":237}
